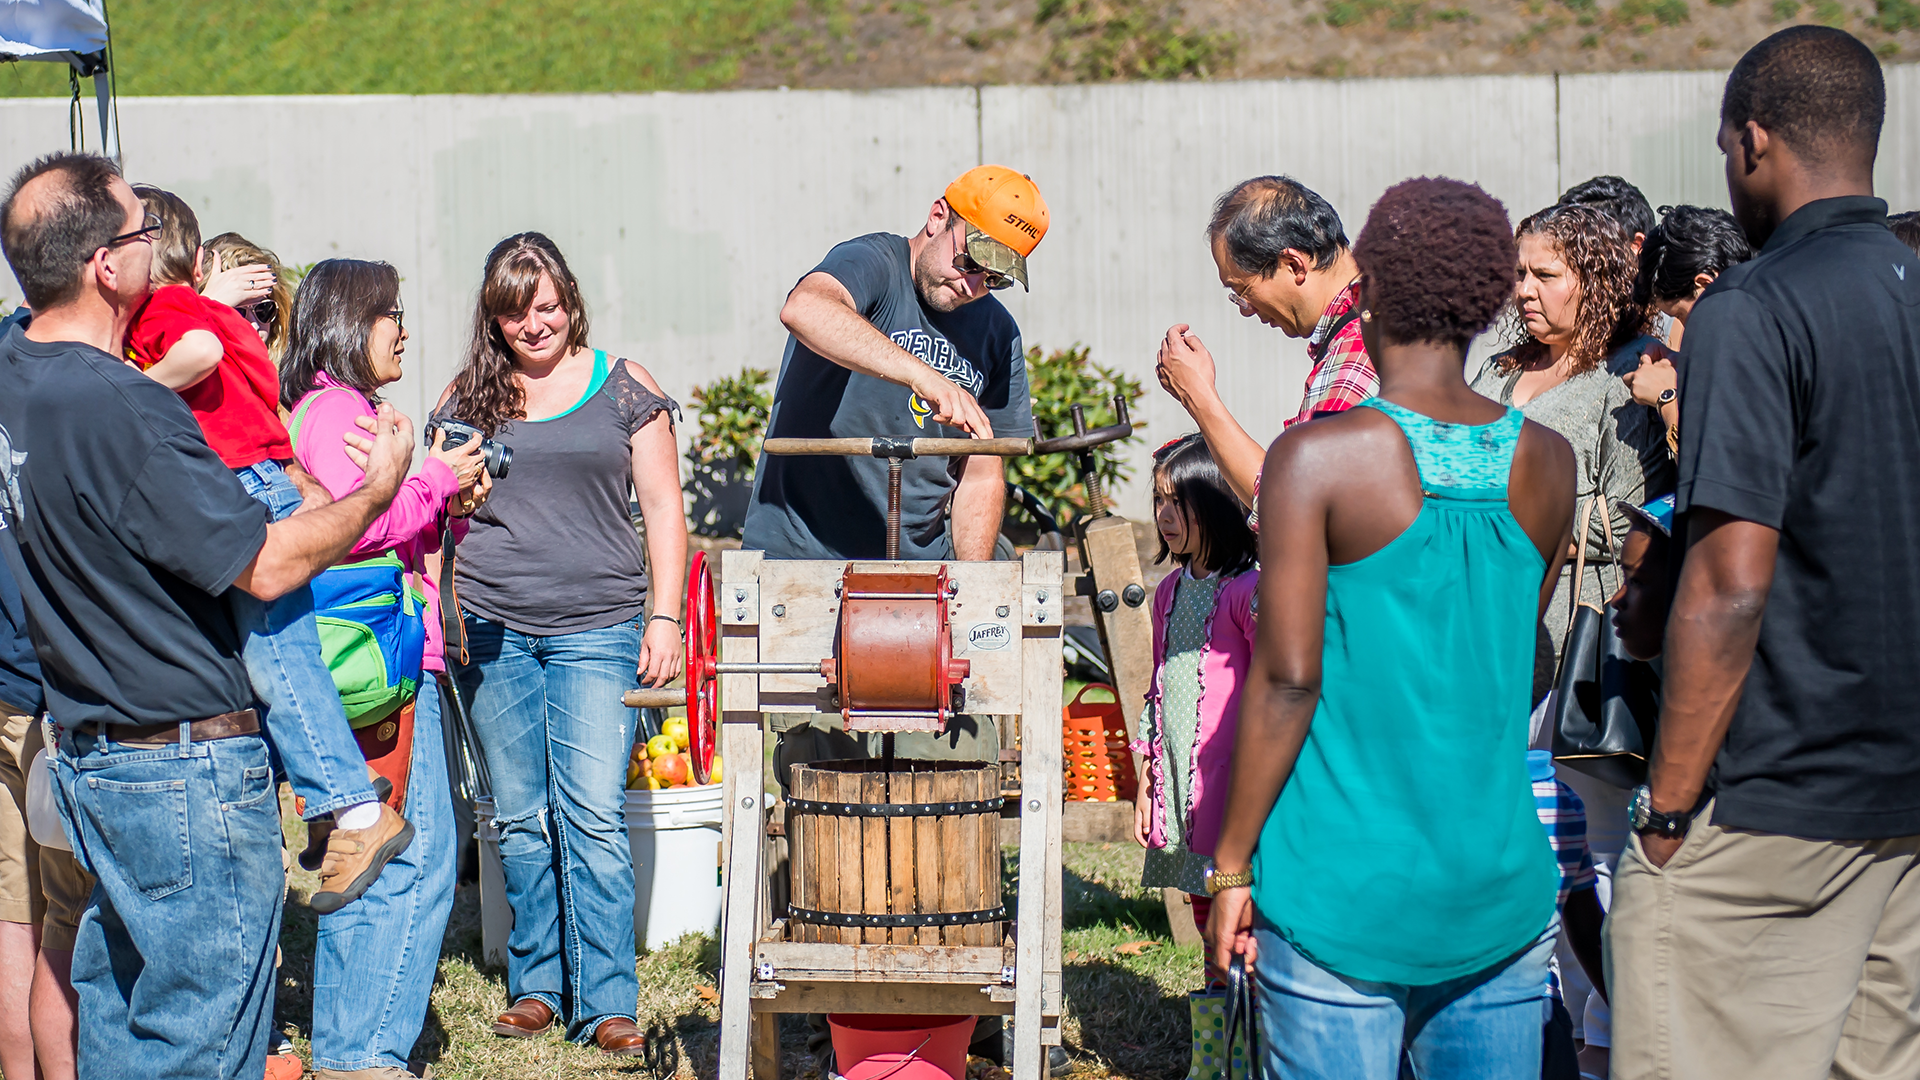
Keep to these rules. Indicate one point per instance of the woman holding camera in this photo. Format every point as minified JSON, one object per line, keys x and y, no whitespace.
{"x":554,"y":593}
{"x":374,"y":960}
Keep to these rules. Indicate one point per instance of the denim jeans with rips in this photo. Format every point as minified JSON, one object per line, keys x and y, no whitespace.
{"x":556,"y":738}
{"x":1317,"y":1025}
{"x":281,"y":647}
{"x":374,"y":960}
{"x":173,"y":961}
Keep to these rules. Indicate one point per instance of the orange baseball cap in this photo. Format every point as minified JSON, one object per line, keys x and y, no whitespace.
{"x":1005,"y":216}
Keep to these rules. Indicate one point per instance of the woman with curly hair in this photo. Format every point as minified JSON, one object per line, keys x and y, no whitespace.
{"x":269,"y":312}
{"x":1380,"y":855}
{"x":1576,"y":318}
{"x":554,"y":592}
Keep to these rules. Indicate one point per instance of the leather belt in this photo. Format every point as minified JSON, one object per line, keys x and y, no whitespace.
{"x":224,"y":726}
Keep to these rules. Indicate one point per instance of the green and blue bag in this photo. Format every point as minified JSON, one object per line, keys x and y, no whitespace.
{"x":373,"y":627}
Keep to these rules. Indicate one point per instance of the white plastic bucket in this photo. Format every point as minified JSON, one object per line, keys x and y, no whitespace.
{"x":675,"y":838}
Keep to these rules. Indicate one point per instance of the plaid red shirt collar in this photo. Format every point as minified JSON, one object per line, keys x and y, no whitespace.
{"x":1342,"y":375}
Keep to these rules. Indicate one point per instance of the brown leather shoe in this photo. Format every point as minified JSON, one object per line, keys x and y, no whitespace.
{"x":315,"y":854}
{"x":355,"y":858}
{"x":527,"y":1018}
{"x":620,"y":1037}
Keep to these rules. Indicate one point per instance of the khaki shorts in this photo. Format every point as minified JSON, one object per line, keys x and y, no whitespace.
{"x":1752,"y":956}
{"x":20,"y":899}
{"x":68,"y":889}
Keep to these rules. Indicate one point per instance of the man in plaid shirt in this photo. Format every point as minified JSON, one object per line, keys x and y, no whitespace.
{"x":1283,"y":257}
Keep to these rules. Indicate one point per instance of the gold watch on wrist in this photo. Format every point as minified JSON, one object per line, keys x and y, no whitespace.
{"x":1218,"y":882}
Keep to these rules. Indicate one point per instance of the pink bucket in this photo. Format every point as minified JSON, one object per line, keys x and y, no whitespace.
{"x":872,"y":1046}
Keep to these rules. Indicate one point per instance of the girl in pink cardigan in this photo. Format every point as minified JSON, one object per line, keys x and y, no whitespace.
{"x":1203,"y":631}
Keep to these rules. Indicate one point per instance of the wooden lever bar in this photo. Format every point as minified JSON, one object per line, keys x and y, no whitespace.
{"x":888,"y":447}
{"x":663,"y":697}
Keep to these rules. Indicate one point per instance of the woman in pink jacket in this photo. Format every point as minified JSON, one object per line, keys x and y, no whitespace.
{"x":374,"y":960}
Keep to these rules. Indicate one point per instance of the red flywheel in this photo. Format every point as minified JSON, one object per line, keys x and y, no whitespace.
{"x":703,"y":686}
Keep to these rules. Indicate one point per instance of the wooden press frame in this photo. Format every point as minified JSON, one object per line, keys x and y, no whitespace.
{"x":762,"y":975}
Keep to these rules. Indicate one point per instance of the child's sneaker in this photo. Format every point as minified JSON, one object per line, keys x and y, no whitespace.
{"x":355,"y":858}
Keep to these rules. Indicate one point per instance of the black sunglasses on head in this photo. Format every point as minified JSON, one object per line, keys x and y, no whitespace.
{"x":151,"y":225}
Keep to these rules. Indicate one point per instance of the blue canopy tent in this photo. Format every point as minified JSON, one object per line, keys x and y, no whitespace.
{"x":71,"y":32}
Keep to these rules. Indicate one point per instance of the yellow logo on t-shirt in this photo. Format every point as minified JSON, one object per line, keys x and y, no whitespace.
{"x":920,"y":410}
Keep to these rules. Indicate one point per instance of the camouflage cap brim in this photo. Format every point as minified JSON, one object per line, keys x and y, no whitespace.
{"x":996,"y":256}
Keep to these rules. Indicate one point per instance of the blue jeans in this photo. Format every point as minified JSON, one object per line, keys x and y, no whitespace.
{"x":302,"y":715}
{"x":1317,"y":1025}
{"x":173,"y":961}
{"x":374,"y":960}
{"x":548,"y":713}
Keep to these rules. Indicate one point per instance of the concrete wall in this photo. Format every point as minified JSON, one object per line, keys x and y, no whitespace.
{"x":688,"y":216}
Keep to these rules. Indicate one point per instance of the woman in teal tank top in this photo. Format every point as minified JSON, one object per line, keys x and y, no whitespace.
{"x":1403,"y":886}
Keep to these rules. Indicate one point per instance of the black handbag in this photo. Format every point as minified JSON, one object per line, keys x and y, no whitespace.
{"x":1243,"y":1025}
{"x":1605,"y":702}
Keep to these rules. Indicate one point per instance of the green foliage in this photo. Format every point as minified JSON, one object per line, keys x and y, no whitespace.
{"x":1829,"y":13}
{"x":1894,"y":16}
{"x":1785,"y":9}
{"x":421,"y":47}
{"x":1103,"y":40}
{"x":1638,"y":14}
{"x":1059,"y":381}
{"x":733,"y":419}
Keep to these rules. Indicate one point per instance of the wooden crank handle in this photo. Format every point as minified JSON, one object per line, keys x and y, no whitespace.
{"x":888,"y":447}
{"x":664,"y":697}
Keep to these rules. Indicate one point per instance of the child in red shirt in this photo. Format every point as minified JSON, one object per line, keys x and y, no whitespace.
{"x":215,"y":359}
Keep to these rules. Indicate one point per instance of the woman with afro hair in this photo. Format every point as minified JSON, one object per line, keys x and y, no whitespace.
{"x":1577,"y":329}
{"x":1381,"y":866}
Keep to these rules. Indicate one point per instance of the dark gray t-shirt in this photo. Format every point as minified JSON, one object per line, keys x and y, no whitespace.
{"x":554,"y":550}
{"x":836,"y":508}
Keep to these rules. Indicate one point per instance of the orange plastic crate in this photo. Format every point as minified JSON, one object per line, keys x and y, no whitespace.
{"x":1098,"y":764}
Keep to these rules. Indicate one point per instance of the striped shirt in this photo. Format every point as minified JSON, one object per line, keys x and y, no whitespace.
{"x":1564,"y":817}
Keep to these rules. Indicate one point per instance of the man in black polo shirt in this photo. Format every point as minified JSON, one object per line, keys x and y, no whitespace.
{"x":1766,"y":918}
{"x":124,"y":532}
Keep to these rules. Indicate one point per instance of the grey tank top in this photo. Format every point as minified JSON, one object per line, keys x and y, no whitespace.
{"x":555,"y":551}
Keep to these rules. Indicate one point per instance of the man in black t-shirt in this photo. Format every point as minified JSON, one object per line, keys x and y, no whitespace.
{"x":124,"y":531}
{"x":897,"y":335}
{"x":1766,"y":918}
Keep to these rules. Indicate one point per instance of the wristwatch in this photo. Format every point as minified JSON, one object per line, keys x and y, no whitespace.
{"x":1218,"y":882}
{"x":1645,"y":819}
{"x":1668,"y":395}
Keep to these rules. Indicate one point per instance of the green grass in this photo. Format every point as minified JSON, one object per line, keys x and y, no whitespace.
{"x":420,"y":47}
{"x":1126,"y":1009}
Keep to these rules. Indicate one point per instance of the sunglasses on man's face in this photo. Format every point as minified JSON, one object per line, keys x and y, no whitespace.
{"x":992,"y":279}
{"x":150,"y":225}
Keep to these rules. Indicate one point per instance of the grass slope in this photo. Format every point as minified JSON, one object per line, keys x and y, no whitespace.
{"x":164,"y":47}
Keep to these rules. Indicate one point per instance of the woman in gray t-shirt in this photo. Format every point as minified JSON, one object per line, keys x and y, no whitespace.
{"x":1577,"y":319}
{"x":553,"y":591}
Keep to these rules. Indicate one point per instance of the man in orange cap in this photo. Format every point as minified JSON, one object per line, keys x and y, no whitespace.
{"x":897,"y":335}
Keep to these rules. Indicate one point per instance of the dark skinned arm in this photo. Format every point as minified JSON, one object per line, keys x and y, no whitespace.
{"x":1582,"y":916}
{"x":1283,"y":680}
{"x":1711,"y":636}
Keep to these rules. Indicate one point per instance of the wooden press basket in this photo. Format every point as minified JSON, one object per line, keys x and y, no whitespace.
{"x":908,"y":857}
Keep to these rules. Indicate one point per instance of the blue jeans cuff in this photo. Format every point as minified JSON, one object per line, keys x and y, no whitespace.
{"x":341,"y":802}
{"x":587,"y":1029}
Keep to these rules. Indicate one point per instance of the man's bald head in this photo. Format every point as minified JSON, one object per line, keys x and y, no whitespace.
{"x":59,"y":211}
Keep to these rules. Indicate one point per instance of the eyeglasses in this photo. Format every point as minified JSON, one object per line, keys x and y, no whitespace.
{"x":149,"y":226}
{"x":399,"y":318}
{"x":262,"y":311}
{"x":1245,"y":305}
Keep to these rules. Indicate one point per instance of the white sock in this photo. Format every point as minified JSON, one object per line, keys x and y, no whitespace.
{"x":358,"y":816}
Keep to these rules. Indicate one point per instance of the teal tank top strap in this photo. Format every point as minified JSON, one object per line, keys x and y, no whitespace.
{"x":1461,"y":461}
